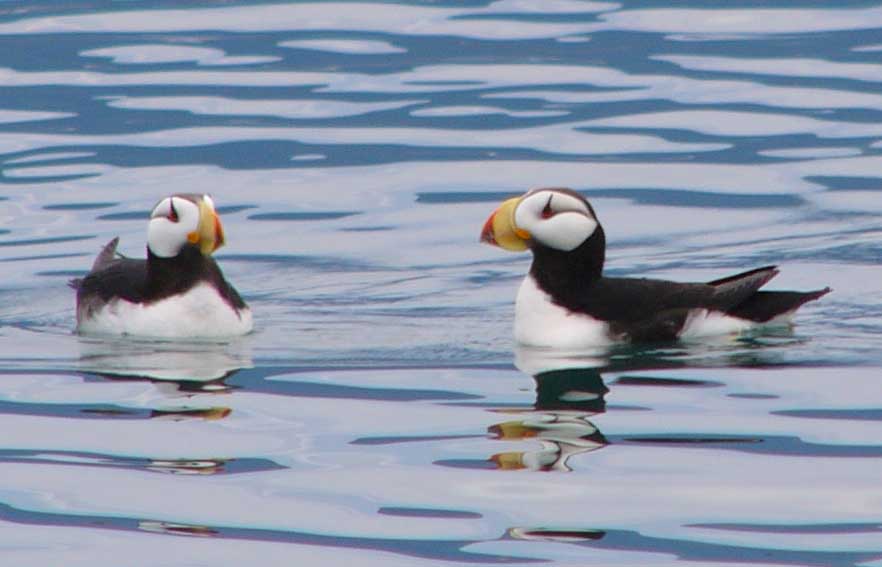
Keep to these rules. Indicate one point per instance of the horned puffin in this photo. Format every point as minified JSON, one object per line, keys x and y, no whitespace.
{"x":566,"y":302}
{"x":177,"y":292}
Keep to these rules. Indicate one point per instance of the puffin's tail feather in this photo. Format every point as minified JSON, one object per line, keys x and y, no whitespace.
{"x":757,"y":277}
{"x":732,"y":291}
{"x":763,"y":306}
{"x":105,"y":257}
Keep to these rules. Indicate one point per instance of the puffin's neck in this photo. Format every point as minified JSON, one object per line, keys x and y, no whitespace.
{"x":171,"y":276}
{"x":564,"y":275}
{"x":168,"y":276}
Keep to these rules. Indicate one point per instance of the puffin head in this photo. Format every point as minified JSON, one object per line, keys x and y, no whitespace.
{"x":183,"y":220}
{"x":555,"y":218}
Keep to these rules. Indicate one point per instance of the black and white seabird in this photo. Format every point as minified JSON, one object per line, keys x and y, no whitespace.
{"x":566,"y":302}
{"x":177,"y":292}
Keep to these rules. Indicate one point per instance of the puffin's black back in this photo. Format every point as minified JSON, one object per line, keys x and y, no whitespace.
{"x":150,"y":280}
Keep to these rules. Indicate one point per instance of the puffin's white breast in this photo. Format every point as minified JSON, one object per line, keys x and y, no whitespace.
{"x":198,"y":313}
{"x":542,"y":323}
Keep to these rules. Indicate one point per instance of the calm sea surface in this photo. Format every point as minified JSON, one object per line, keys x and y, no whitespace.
{"x":380,"y":414}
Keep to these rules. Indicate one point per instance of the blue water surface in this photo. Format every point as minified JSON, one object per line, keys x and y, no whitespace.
{"x":380,"y":413}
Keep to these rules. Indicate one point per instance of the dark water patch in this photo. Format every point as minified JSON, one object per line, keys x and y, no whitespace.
{"x":47,"y":257}
{"x":699,"y":199}
{"x":316,"y":390}
{"x":202,"y":466}
{"x":690,"y":440}
{"x":302,"y":216}
{"x":664,"y":382}
{"x":35,"y":179}
{"x":708,"y":552}
{"x":261,"y":380}
{"x":458,"y":197}
{"x":434,"y":549}
{"x":367,"y":229}
{"x":469,"y":464}
{"x":765,"y":445}
{"x":76,"y":411}
{"x":655,"y":196}
{"x":872,"y":414}
{"x":128,"y":215}
{"x":847,"y":182}
{"x":40,"y":241}
{"x":79,"y":206}
{"x":428,"y":513}
{"x":233,"y":209}
{"x":390,"y":440}
{"x":761,"y":38}
{"x":807,"y":529}
{"x":752,"y":396}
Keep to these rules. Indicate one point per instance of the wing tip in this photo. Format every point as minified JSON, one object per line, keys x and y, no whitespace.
{"x":766,"y":273}
{"x":817,"y":294}
{"x":107,"y":254}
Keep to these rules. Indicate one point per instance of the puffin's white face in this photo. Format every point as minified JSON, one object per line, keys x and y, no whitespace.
{"x":180,"y":220}
{"x":551,"y":217}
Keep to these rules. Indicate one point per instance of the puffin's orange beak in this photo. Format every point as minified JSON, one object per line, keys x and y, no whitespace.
{"x":210,"y":233}
{"x":500,"y":229}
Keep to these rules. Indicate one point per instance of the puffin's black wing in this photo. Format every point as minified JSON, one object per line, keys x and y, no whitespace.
{"x":653,"y":310}
{"x":110,"y":278}
{"x":123,"y":278}
{"x":104,"y":259}
{"x":633,"y":300}
{"x":733,"y":290}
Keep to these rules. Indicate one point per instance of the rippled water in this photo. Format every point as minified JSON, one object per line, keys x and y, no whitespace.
{"x":376,"y":416}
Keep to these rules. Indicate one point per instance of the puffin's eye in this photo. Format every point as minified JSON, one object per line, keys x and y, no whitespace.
{"x":546,"y":211}
{"x":172,"y":212}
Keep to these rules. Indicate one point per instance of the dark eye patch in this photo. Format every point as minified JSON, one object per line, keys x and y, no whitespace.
{"x":172,"y":212}
{"x":546,"y":211}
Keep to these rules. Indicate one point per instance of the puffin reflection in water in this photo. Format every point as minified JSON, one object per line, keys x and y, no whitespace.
{"x":568,"y":393}
{"x":178,"y":291}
